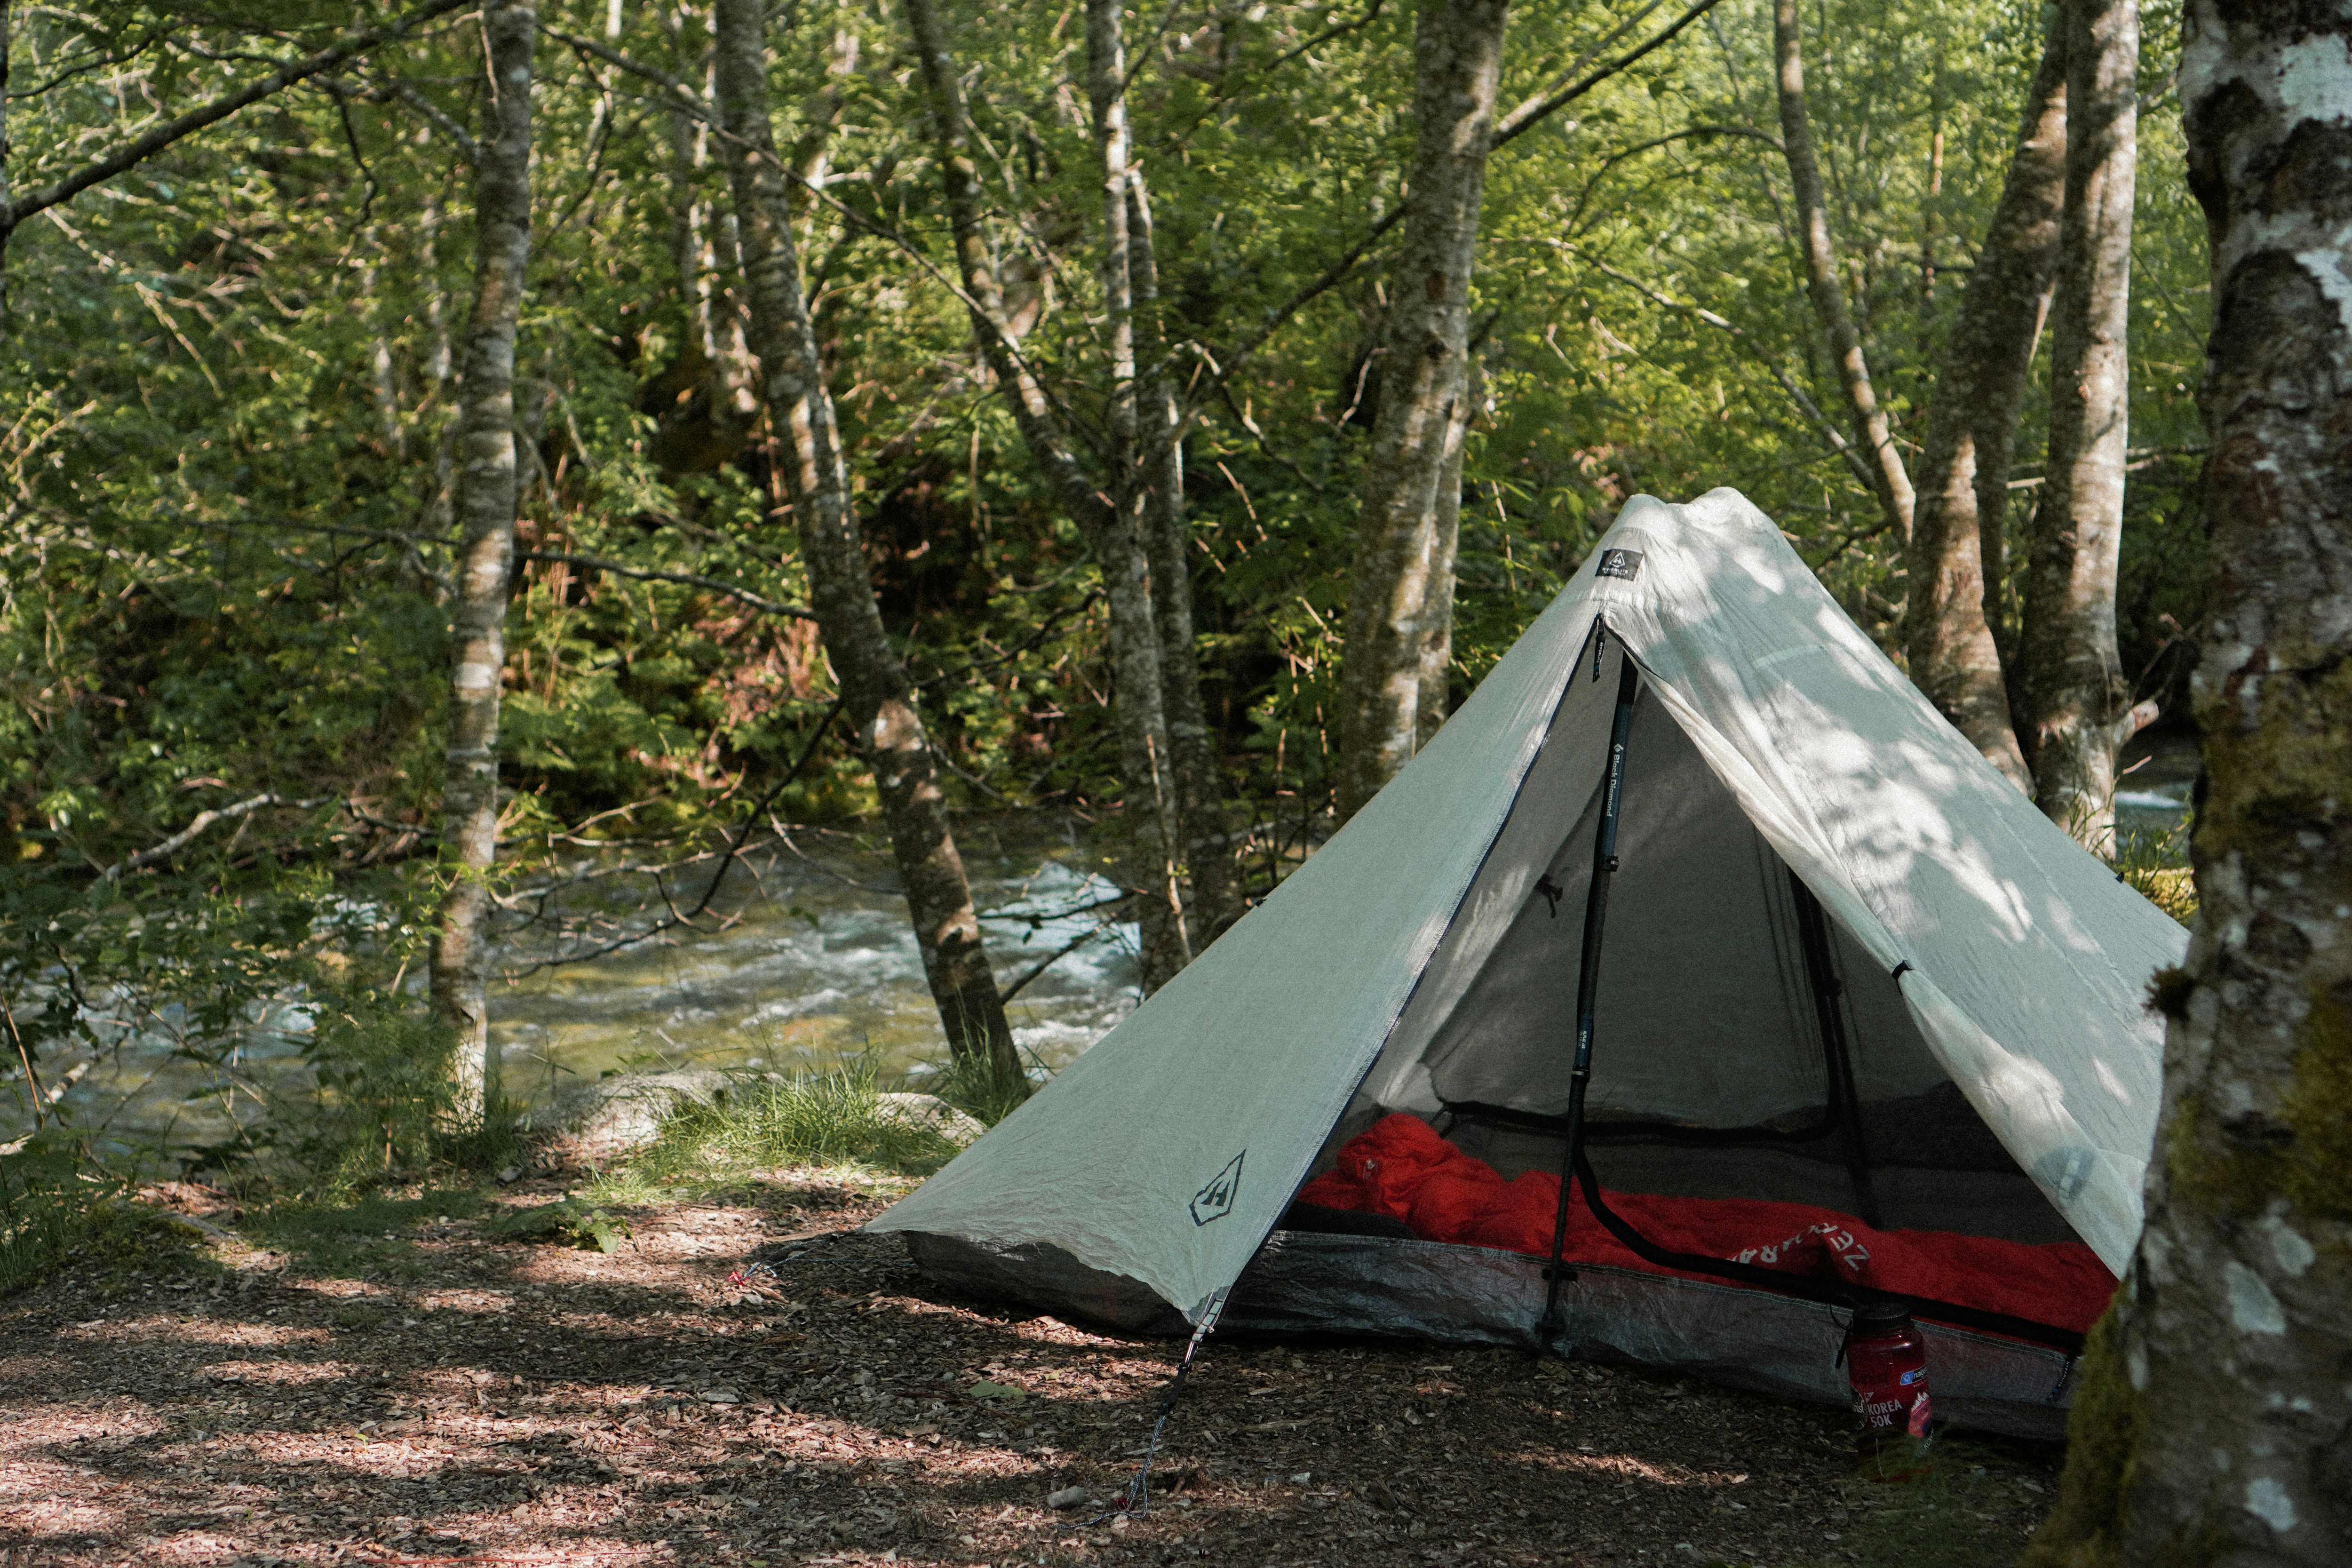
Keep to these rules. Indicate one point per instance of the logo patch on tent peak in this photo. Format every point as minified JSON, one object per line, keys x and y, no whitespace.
{"x":1215,"y":1201}
{"x":1625,"y":563}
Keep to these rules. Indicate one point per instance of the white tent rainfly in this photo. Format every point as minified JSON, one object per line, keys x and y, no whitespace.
{"x":1698,"y":830}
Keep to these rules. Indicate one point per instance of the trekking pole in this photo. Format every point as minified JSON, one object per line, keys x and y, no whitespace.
{"x":1588,"y":976}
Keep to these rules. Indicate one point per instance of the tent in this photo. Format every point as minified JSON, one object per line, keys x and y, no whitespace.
{"x":1844,"y":963}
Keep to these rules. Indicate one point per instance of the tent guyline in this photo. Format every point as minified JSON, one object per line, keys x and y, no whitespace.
{"x":1865,"y":1025}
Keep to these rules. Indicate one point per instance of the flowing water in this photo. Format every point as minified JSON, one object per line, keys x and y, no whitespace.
{"x":804,"y":958}
{"x":817,"y":964}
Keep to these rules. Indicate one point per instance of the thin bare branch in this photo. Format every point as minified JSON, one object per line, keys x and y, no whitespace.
{"x":195,"y":829}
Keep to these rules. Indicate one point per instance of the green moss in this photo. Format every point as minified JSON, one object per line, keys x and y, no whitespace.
{"x":2315,"y":1171}
{"x":2306,"y":1159}
{"x":2282,"y":773}
{"x":2168,"y":991}
{"x":2102,"y":1439}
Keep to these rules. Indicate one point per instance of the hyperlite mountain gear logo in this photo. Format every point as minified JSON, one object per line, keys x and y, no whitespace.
{"x":1215,"y":1201}
{"x":1625,"y":563}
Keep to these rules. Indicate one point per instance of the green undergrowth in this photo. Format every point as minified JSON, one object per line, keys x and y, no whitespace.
{"x":571,"y":1220}
{"x":2155,"y":866}
{"x":107,"y":1239}
{"x":834,"y":1119}
{"x":60,"y":1209}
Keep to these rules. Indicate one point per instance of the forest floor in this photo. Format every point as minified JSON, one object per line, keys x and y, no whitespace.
{"x":397,"y":1383}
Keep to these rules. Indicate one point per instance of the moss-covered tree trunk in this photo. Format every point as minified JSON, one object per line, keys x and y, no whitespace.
{"x":1208,"y":858}
{"x":487,"y":485}
{"x":1134,"y":591}
{"x":2214,"y":1426}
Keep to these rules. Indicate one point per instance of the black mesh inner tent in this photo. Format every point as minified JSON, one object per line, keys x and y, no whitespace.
{"x":1745,"y":1046}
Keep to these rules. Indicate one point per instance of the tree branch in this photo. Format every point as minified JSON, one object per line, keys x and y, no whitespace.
{"x":1060,"y":954}
{"x":141,"y":148}
{"x":1526,"y":116}
{"x":654,"y":575}
{"x":204,"y":819}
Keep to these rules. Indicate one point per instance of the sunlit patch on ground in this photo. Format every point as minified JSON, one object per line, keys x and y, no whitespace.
{"x":492,"y":1399}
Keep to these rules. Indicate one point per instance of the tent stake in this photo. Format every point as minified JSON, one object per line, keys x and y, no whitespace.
{"x":1588,"y":976}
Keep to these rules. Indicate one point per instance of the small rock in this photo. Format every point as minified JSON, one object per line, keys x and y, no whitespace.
{"x":1302,"y":1478}
{"x":511,"y":1175}
{"x":1068,"y":1497}
{"x":930,"y":1110}
{"x":628,"y":1108}
{"x":721,"y":1396}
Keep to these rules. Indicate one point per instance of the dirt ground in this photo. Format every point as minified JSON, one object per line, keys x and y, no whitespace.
{"x":439,"y":1395}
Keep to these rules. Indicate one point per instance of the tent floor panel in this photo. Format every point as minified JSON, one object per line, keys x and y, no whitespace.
{"x":1303,"y":1283}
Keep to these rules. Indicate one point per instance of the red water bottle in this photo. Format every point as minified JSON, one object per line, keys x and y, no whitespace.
{"x":1886,"y":1364}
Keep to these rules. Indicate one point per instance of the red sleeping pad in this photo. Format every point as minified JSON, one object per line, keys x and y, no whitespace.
{"x":1401,"y":1168}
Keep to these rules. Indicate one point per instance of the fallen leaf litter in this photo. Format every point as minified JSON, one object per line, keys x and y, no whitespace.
{"x":523,"y":1403}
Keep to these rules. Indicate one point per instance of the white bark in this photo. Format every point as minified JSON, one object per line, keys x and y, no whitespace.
{"x":2214,"y":1426}
{"x":486,"y":495}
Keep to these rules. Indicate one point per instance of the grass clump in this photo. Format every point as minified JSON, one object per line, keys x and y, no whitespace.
{"x":1961,"y":1515}
{"x":570,"y":1221}
{"x":49,"y":1201}
{"x":2156,"y":865}
{"x":972,"y":1084}
{"x":834,"y":1117}
{"x":59,"y":1207}
{"x":337,"y":1234}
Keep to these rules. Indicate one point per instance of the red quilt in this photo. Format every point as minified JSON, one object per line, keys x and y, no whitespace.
{"x":1401,"y":1168}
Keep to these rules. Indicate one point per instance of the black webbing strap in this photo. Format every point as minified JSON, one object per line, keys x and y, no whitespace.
{"x":1806,"y":1288}
{"x":1549,"y":1327}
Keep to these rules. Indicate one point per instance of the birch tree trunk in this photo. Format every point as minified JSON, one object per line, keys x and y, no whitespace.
{"x":879,"y":699}
{"x":1888,"y":478}
{"x":1963,"y":475}
{"x":1123,"y":548}
{"x":1423,"y":369}
{"x":1109,"y":523}
{"x":2077,"y":702}
{"x":2215,"y":1422}
{"x":1200,"y":795}
{"x":1437,"y":616}
{"x":486,"y":494}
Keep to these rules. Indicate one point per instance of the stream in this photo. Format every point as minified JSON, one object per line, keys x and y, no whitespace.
{"x":817,"y":964}
{"x":804,"y":959}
